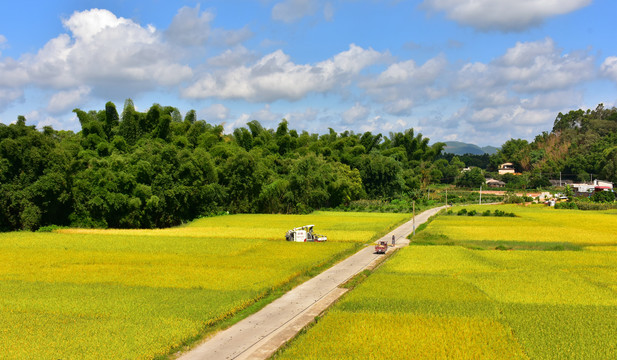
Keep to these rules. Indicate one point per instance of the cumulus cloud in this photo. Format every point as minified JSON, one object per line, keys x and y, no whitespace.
{"x":214,"y":112}
{"x":112,"y":55}
{"x":405,"y":83}
{"x":528,"y":67}
{"x":65,"y":100}
{"x":503,"y":15}
{"x":223,"y":37}
{"x":609,"y":68}
{"x":328,"y":12}
{"x":275,"y":77}
{"x":303,"y":119}
{"x":105,"y":51}
{"x":235,"y":57}
{"x":9,"y":95}
{"x":2,"y":42}
{"x":189,"y":27}
{"x":292,"y":10}
{"x":520,"y":91}
{"x":356,"y":113}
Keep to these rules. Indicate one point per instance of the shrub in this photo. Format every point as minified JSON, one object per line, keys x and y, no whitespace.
{"x":461,"y":212}
{"x":566,"y":205}
{"x":486,"y":213}
{"x":472,"y":213}
{"x":50,"y":228}
{"x":603,"y":196}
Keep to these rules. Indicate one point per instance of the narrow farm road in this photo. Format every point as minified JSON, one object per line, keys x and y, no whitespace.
{"x":261,"y":334}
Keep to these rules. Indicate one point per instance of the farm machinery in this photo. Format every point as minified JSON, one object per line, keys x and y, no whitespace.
{"x":303,"y":234}
{"x":381,"y":247}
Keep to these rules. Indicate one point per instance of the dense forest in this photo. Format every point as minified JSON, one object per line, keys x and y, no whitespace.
{"x":157,"y":169}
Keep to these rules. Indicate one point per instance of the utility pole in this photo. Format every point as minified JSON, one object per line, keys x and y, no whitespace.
{"x":414,"y":217}
{"x":480,"y":194}
{"x":446,"y":198}
{"x":560,"y":179}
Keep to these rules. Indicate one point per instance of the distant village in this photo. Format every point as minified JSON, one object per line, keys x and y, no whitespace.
{"x":579,"y":189}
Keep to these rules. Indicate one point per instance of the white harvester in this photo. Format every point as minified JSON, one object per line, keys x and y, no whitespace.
{"x":303,"y":234}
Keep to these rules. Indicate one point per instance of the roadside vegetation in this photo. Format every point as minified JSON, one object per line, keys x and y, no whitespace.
{"x":126,"y":294}
{"x":454,"y":294}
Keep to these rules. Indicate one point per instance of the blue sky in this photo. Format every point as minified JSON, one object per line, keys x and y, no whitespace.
{"x":480,"y":71}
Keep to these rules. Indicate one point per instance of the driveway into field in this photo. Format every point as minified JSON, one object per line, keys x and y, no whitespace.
{"x":261,"y":334}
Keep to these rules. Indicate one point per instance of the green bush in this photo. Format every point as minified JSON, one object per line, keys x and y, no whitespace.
{"x":566,"y":205}
{"x":50,"y":228}
{"x":603,"y":196}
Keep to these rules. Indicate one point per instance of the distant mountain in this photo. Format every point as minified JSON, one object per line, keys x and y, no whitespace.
{"x":490,"y":149}
{"x":461,"y":148}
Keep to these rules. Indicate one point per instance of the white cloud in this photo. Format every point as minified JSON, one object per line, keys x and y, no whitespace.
{"x":404,"y":84}
{"x":609,"y":67}
{"x":235,"y":57}
{"x":112,"y":55}
{"x":503,"y":15}
{"x":189,"y":27}
{"x":519,"y":93}
{"x":9,"y":95}
{"x":12,"y":74}
{"x":528,"y":67}
{"x":222,"y":37}
{"x":214,"y":112}
{"x":328,"y":12}
{"x":64,"y":100}
{"x":239,"y":122}
{"x":292,"y":10}
{"x":276,"y":77}
{"x":40,"y":120}
{"x":304,"y":120}
{"x":266,"y":115}
{"x":87,"y":24}
{"x":356,"y":113}
{"x":2,"y":42}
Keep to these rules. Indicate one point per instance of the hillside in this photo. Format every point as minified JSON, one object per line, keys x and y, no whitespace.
{"x":461,"y":148}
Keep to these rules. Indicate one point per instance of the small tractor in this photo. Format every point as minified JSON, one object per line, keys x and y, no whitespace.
{"x":381,"y":247}
{"x":303,"y":234}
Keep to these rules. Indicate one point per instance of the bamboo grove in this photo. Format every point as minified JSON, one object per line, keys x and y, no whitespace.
{"x":158,"y":169}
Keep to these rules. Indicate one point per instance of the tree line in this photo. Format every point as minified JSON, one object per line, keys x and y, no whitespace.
{"x":158,"y":168}
{"x":581,"y":146}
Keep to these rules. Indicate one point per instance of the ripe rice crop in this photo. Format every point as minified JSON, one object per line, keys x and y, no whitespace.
{"x":338,"y":226}
{"x":451,"y":302}
{"x":381,"y":335}
{"x":533,"y":224}
{"x":117,"y":294}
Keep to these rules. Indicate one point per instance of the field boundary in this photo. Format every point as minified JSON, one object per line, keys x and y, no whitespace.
{"x":261,"y":334}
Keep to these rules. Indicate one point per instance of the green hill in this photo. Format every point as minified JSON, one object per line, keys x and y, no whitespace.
{"x":461,"y":148}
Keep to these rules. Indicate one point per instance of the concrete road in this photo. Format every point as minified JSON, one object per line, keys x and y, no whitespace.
{"x":261,"y":334}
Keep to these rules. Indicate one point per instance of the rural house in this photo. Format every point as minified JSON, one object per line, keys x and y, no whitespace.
{"x":506,"y":168}
{"x":493,"y":183}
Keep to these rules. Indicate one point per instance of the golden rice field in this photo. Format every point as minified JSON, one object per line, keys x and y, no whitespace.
{"x":130,"y":294}
{"x":534,"y":224}
{"x":455,"y":302}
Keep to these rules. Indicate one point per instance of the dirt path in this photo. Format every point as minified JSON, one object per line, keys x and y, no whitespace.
{"x":261,"y":334}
